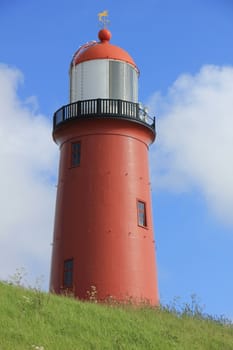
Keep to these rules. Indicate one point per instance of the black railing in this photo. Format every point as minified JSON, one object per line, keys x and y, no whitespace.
{"x":103,"y":108}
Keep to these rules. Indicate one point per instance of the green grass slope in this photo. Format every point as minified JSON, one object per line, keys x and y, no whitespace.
{"x":35,"y":320}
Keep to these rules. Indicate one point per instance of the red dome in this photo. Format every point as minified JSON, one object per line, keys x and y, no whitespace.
{"x":102,"y":50}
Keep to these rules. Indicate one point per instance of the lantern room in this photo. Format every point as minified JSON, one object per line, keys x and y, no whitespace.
{"x":102,"y":70}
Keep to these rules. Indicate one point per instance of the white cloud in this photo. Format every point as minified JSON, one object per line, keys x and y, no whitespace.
{"x":195,"y":137}
{"x":28,"y":162}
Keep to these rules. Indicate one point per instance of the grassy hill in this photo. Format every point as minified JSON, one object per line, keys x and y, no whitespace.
{"x":30,"y":319}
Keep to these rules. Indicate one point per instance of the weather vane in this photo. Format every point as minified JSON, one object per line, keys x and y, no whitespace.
{"x":103,"y":18}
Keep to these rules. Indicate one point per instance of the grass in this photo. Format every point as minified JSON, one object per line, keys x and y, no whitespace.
{"x":30,"y":319}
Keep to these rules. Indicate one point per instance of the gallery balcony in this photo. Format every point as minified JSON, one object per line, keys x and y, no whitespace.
{"x":103,"y":108}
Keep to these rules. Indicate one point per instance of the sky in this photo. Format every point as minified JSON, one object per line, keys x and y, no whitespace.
{"x":184,"y":51}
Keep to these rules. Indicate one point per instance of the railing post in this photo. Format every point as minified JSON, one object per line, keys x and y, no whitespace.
{"x":64,"y":113}
{"x":154,"y":125}
{"x":67,"y":112}
{"x":98,"y":106}
{"x":54,"y":121}
{"x":78,"y":108}
{"x":137,"y":111}
{"x":120,"y":107}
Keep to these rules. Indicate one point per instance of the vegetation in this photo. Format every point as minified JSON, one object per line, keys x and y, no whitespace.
{"x":31,"y":319}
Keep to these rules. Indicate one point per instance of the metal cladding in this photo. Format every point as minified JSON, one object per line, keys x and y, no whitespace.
{"x":103,"y":235}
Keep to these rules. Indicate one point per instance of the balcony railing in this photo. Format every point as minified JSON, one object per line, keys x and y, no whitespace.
{"x":103,"y":108}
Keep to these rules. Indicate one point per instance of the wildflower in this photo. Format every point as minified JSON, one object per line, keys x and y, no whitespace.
{"x":37,"y":347}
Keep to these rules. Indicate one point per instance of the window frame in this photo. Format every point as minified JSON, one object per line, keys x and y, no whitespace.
{"x":66,"y":271}
{"x":74,"y":153}
{"x":142,"y":223}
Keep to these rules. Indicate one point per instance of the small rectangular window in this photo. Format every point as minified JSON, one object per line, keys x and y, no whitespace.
{"x":141,"y":207}
{"x":75,"y":154}
{"x":68,"y":273}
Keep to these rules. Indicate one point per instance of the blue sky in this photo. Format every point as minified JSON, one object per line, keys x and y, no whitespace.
{"x":185,"y":55}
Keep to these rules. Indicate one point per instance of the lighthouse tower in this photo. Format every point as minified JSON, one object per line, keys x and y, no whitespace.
{"x":103,"y":234}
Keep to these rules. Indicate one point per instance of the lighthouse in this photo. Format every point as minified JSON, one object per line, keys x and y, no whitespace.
{"x":103,"y":230}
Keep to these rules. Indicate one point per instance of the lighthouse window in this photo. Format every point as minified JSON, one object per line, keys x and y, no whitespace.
{"x":75,"y":154}
{"x":141,"y":207}
{"x":116,"y":79}
{"x":123,"y":80}
{"x":68,"y":273}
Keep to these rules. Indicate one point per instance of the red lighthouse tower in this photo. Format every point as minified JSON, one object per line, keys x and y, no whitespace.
{"x":103,"y":233}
